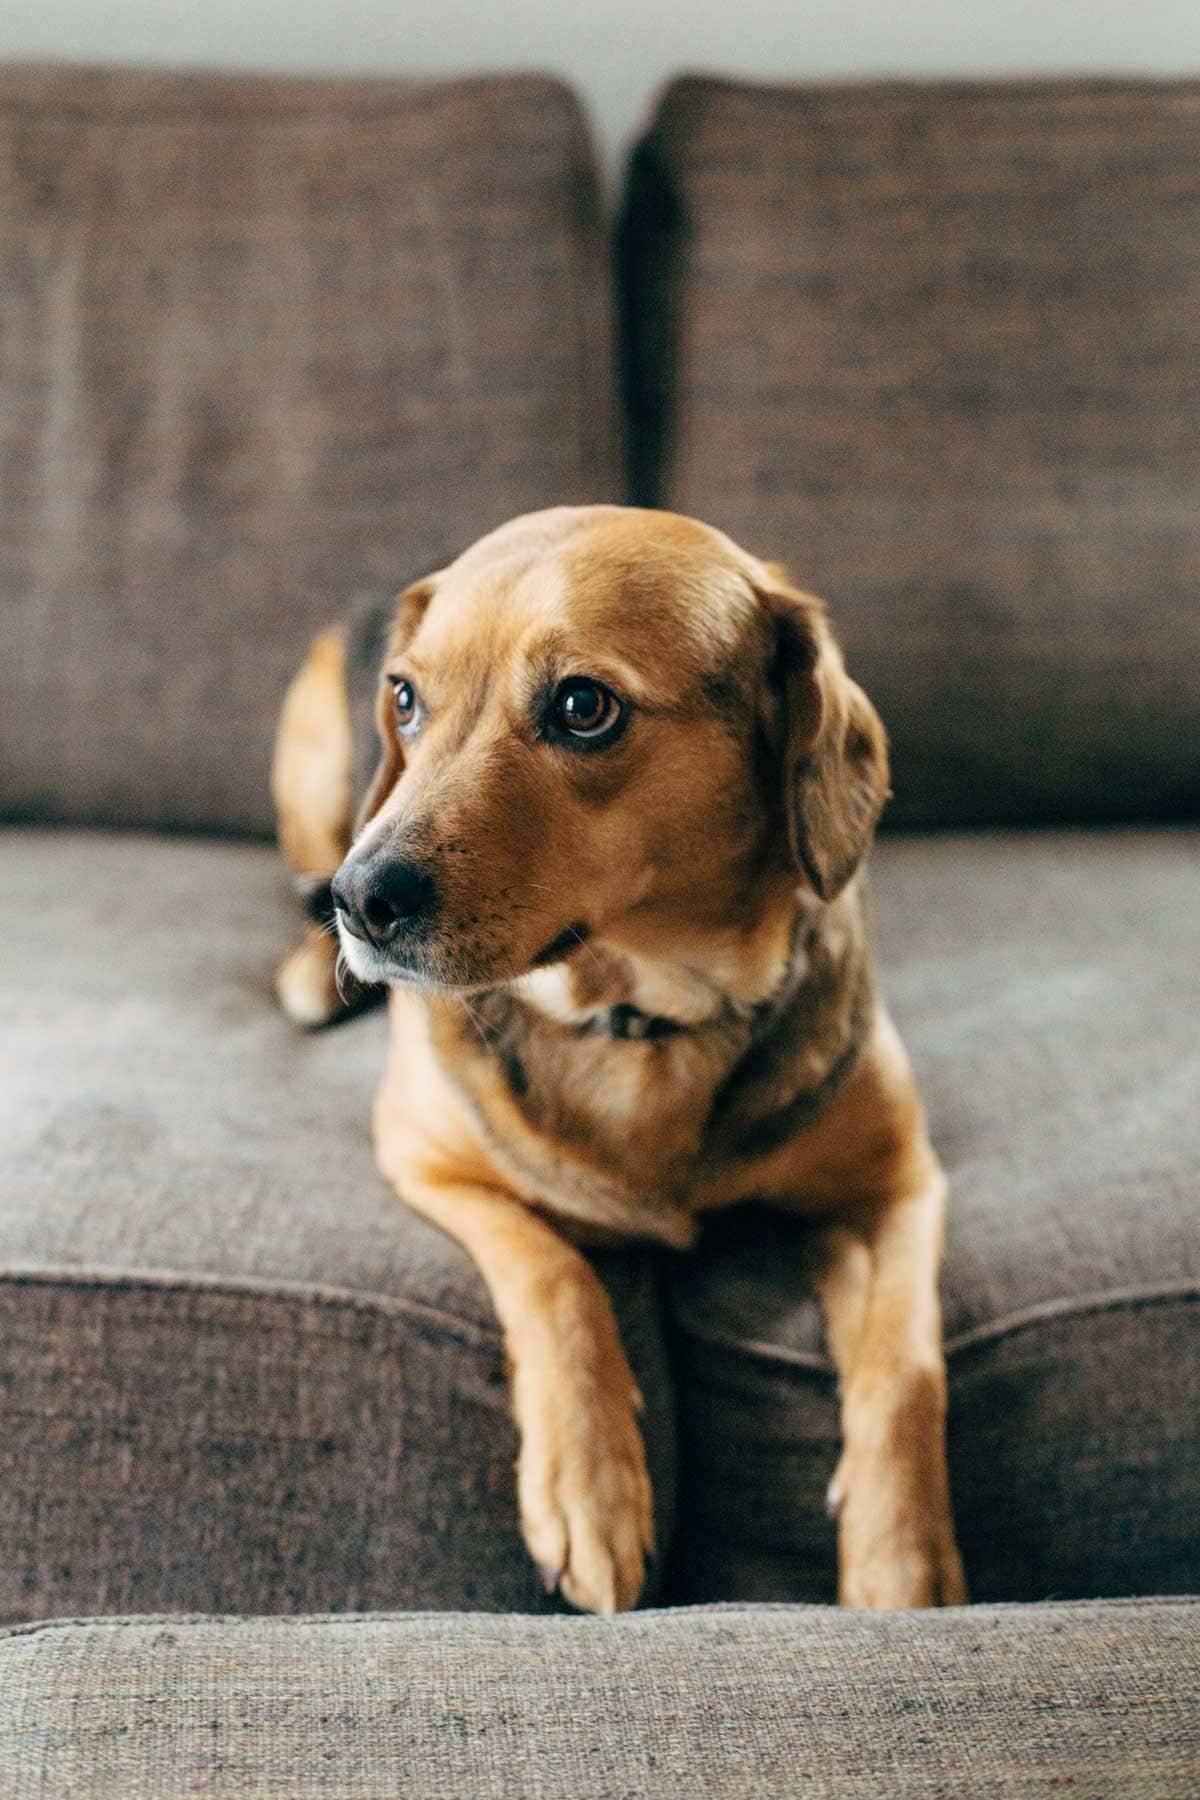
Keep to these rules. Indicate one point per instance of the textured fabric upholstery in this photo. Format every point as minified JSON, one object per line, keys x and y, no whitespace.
{"x":937,"y":347}
{"x":980,"y":1704}
{"x":236,"y":1373}
{"x":1048,"y":987}
{"x":265,"y":341}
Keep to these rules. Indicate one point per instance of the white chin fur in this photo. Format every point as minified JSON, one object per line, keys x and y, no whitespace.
{"x":364,"y":963}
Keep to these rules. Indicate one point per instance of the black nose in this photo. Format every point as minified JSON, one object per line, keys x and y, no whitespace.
{"x":378,"y":898}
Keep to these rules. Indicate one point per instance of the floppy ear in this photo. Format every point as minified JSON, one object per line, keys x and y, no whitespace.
{"x":834,"y":747}
{"x":410,"y":610}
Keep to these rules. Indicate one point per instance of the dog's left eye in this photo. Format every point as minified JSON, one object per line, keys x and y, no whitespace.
{"x":584,"y":709}
{"x":408,"y":703}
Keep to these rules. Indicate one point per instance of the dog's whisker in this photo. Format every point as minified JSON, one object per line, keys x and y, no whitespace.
{"x":341,"y":972}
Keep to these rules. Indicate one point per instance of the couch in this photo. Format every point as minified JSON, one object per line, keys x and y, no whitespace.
{"x":270,"y":342}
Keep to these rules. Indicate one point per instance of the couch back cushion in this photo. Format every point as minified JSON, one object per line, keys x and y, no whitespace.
{"x":937,"y":347}
{"x":265,"y":341}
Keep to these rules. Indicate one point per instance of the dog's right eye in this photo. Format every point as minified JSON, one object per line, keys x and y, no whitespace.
{"x":408,"y":704}
{"x":584,"y":714}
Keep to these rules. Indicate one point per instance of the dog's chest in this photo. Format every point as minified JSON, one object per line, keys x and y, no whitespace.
{"x":623,"y":1121}
{"x":616,"y":1089}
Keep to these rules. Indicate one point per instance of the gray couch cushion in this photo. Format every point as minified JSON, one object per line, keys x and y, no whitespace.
{"x":235,"y":1372}
{"x":741,"y":1702}
{"x":1048,"y":987}
{"x":265,"y":340}
{"x":937,"y":346}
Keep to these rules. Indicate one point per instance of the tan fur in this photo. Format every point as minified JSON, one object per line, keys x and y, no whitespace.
{"x":709,"y":859}
{"x":310,"y":785}
{"x":310,"y":771}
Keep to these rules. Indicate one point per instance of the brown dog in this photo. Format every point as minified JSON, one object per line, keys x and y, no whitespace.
{"x":608,"y":868}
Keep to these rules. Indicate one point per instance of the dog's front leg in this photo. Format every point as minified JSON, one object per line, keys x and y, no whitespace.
{"x":584,"y":1494}
{"x":878,"y":1288}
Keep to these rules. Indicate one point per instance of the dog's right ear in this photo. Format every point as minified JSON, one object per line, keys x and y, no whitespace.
{"x":410,"y":610}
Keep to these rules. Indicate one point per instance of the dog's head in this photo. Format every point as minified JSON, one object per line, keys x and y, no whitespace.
{"x":603,"y":723}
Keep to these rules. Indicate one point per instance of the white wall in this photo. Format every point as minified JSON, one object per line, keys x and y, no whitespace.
{"x":617,"y":52}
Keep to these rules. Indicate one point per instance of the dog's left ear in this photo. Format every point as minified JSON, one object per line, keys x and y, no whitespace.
{"x":410,"y":610}
{"x":833,"y":744}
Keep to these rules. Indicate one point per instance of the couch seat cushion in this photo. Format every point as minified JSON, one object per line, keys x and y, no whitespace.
{"x":236,"y":1373}
{"x":1048,"y":987}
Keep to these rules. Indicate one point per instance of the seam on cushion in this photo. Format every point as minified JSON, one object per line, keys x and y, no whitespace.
{"x":1009,"y":91}
{"x":681,"y":1322}
{"x":335,"y":1299}
{"x":1046,"y":1311}
{"x":284,"y":1621}
{"x":123,"y":1622}
{"x":722,"y":1609}
{"x":369,"y":100}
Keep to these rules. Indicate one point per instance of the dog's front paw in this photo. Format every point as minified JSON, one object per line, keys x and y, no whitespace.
{"x":896,"y":1546}
{"x":587,"y":1510}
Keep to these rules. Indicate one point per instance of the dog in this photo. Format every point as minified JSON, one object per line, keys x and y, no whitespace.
{"x":609,"y":868}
